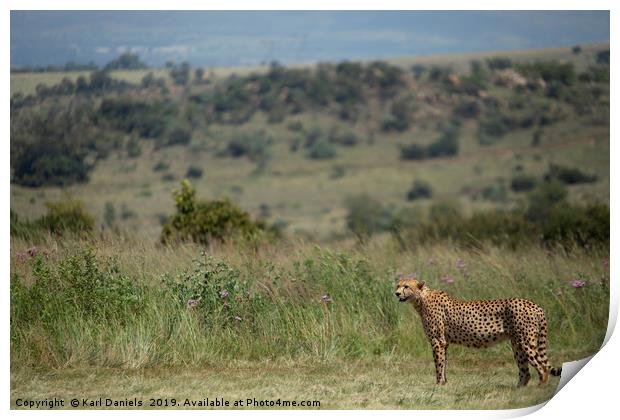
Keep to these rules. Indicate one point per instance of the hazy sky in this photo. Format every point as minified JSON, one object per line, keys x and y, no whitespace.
{"x":235,"y":38}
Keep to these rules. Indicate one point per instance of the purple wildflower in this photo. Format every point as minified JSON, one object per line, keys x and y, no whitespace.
{"x":448,"y":279}
{"x":238,"y":318}
{"x":224,"y":294}
{"x":606,"y":263}
{"x":192,"y":303}
{"x":32,"y":251}
{"x":326,"y":299}
{"x":460,"y":264}
{"x":578,"y":284}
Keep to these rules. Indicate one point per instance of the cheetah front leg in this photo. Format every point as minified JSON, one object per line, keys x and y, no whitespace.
{"x":439,"y":355}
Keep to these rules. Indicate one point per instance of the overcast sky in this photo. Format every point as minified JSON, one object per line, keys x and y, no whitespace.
{"x":237,"y":38}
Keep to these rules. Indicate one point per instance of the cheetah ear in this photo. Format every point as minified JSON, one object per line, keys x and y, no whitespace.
{"x":420,"y":285}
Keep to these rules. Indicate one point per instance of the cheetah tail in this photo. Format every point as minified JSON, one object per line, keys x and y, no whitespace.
{"x":556,"y":371}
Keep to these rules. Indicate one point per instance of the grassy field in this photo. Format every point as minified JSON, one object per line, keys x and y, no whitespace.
{"x":310,"y":315}
{"x":288,"y":343}
{"x":485,"y":382}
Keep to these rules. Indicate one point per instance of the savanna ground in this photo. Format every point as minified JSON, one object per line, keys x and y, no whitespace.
{"x":350,"y":350}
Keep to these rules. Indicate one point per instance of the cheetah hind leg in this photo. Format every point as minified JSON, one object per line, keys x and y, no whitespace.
{"x":522,"y":364}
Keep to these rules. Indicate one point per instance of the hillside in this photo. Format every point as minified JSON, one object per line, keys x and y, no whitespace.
{"x":292,"y":145}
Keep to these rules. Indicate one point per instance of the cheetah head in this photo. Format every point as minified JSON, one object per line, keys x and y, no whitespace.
{"x":409,"y":289}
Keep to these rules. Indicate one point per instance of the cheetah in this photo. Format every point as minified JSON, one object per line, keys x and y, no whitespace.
{"x":480,"y":323}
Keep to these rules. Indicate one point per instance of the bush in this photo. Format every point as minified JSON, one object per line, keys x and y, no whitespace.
{"x":522,"y":182}
{"x":400,"y":117}
{"x":194,"y":172}
{"x":79,"y":286}
{"x":206,"y":221}
{"x":180,"y":136}
{"x":499,"y":63}
{"x":133,"y":148}
{"x":67,"y":215}
{"x":214,"y":290}
{"x":413,"y":152}
{"x":366,"y":216}
{"x":496,"y":193}
{"x":603,"y":57}
{"x":161,"y":166}
{"x":583,"y":226}
{"x":254,"y":146}
{"x":348,"y":138}
{"x":569,"y":176}
{"x":419,"y":190}
{"x":447,"y":143}
{"x":321,"y":150}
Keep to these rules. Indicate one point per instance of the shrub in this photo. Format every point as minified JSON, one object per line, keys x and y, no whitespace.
{"x":498,"y":63}
{"x":321,"y":150}
{"x":194,"y":172}
{"x":419,"y":190}
{"x":67,"y":215}
{"x":347,"y":138}
{"x":366,"y":216}
{"x":496,"y":193}
{"x":584,"y":226}
{"x":447,"y":143}
{"x":79,"y":286}
{"x":603,"y":57}
{"x":254,"y":146}
{"x":206,"y":221}
{"x":133,"y":148}
{"x":413,"y":152}
{"x":400,"y":116}
{"x":523,"y":182}
{"x":109,"y":214}
{"x":161,"y":166}
{"x":179,"y":135}
{"x":569,"y":176}
{"x":295,"y":126}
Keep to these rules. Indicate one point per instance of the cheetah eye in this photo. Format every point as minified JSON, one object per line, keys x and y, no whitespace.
{"x":406,"y":286}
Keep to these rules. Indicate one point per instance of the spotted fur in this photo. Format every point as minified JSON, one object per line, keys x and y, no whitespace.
{"x":481,"y":323}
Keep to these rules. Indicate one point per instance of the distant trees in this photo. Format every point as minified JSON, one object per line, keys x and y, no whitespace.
{"x":126,"y":61}
{"x":180,"y":74}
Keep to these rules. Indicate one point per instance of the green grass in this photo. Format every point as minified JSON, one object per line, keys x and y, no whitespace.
{"x":350,"y":353}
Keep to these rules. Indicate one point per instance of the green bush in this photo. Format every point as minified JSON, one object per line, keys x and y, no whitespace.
{"x":569,"y":176}
{"x":133,"y":148}
{"x":216,"y":292}
{"x":523,"y":182}
{"x":207,"y":221}
{"x":79,"y":286}
{"x":413,"y":152}
{"x":366,"y":216}
{"x":254,"y":146}
{"x":67,"y":215}
{"x":576,"y":225}
{"x":179,"y":135}
{"x":447,"y":142}
{"x":194,"y":172}
{"x":321,"y":150}
{"x":420,"y":189}
{"x":161,"y":166}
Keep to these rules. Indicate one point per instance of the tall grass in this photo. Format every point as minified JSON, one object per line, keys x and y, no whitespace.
{"x":114,"y":302}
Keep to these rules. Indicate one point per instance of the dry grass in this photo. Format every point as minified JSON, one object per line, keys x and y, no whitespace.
{"x":475,"y":382}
